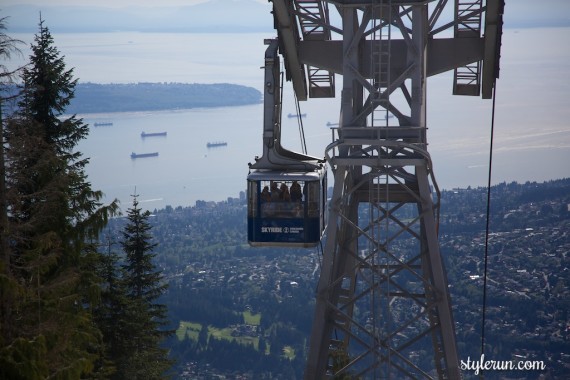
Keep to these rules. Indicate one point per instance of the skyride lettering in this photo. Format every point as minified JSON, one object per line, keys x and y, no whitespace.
{"x":281,"y":230}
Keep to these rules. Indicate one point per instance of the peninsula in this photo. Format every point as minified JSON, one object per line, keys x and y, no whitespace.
{"x":99,"y":98}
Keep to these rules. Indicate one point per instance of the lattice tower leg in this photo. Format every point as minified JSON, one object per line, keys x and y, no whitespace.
{"x":382,"y":308}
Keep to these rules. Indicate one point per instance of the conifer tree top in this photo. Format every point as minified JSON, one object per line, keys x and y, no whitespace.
{"x":48,"y":89}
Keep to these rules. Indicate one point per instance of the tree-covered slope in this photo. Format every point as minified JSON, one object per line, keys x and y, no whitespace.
{"x":214,"y":277}
{"x":96,"y":98}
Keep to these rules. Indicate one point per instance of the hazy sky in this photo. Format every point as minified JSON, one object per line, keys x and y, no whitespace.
{"x":109,"y":3}
{"x":105,"y":3}
{"x":522,"y":12}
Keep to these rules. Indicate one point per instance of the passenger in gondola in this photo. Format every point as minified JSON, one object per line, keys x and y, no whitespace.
{"x":285,"y":196}
{"x":296,"y":194}
{"x":265,"y":195}
{"x":275,"y":193}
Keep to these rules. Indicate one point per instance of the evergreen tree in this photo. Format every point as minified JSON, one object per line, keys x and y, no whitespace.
{"x":8,"y":46}
{"x":146,"y":318}
{"x":262,"y":347}
{"x":111,"y":312}
{"x":52,"y":215}
{"x":203,"y":337}
{"x":9,"y":287}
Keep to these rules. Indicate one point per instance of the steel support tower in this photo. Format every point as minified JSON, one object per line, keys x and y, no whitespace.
{"x":383,"y":309}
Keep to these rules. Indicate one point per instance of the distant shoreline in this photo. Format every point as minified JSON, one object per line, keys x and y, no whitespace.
{"x":139,"y":97}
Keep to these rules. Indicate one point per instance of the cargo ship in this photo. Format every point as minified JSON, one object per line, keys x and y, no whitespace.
{"x":103,"y":124}
{"x":143,"y":155}
{"x":153,"y":134}
{"x":290,"y":115}
{"x":216,"y":144}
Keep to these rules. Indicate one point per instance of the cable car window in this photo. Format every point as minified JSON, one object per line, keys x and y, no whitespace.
{"x":252,"y":199}
{"x":281,"y":199}
{"x":313,"y":199}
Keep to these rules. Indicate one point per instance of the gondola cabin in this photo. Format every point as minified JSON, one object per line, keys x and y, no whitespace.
{"x":286,"y":208}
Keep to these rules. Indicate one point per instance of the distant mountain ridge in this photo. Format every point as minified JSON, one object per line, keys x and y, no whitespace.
{"x":220,"y":16}
{"x":210,"y":17}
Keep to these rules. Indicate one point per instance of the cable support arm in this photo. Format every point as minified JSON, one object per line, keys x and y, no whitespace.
{"x":275,"y":157}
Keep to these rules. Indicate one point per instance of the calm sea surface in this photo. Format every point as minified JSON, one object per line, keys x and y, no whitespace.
{"x":532,"y":140}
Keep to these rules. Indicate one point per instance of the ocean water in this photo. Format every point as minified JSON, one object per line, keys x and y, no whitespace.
{"x":185,"y":170}
{"x":532,"y":132}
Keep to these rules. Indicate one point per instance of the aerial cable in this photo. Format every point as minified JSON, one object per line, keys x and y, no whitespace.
{"x":280,"y":113}
{"x":300,"y":123}
{"x":485,"y":270}
{"x":299,"y":118}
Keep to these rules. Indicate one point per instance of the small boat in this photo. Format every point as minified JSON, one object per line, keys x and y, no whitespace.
{"x":296,"y":115}
{"x":153,"y":134}
{"x":103,"y":124}
{"x":143,"y":155}
{"x":216,"y":144}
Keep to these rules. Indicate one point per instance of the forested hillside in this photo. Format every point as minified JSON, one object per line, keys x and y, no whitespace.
{"x":217,"y":283}
{"x":133,"y":97}
{"x":94,"y":98}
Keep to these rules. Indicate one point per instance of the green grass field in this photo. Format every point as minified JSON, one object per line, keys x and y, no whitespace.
{"x":188,"y":328}
{"x":289,"y":352}
{"x":251,"y":319}
{"x":192,"y":330}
